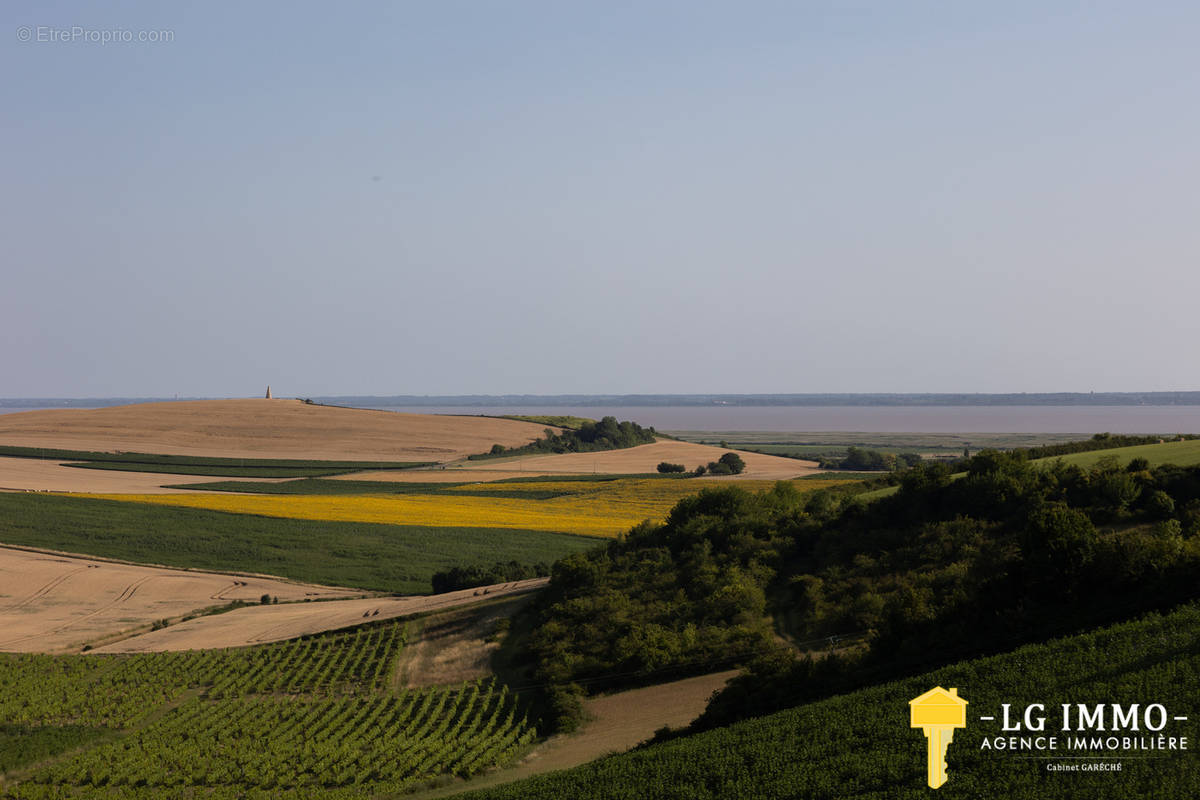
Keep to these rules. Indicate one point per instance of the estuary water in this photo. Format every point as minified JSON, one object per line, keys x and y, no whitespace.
{"x":875,"y":419}
{"x":859,"y":419}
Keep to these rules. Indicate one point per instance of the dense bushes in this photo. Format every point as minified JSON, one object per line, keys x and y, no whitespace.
{"x":859,"y":745}
{"x":727,"y":464}
{"x":665,"y":600}
{"x":469,"y":577}
{"x":607,"y":434}
{"x":945,"y":568}
{"x":861,"y":459}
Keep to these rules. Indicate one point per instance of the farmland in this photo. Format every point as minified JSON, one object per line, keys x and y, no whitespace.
{"x":833,"y":443}
{"x":1183,"y":453}
{"x":259,"y":624}
{"x":644,"y":459}
{"x":591,"y":508}
{"x":306,"y":699}
{"x":860,"y":744}
{"x":306,"y":717}
{"x":28,"y":474}
{"x":51,"y":602}
{"x":264,"y":429}
{"x":151,"y":462}
{"x":389,"y":558}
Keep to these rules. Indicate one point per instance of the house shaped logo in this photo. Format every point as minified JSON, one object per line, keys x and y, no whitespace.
{"x":938,"y":713}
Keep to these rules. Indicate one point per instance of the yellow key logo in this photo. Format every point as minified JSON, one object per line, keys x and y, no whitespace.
{"x":938,"y":712}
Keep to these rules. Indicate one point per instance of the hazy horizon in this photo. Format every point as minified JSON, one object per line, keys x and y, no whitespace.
{"x":461,"y":197}
{"x":915,"y":399}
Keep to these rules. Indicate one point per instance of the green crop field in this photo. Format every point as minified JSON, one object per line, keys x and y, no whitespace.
{"x":314,"y":717}
{"x":860,"y":744}
{"x":317,"y":486}
{"x":557,"y":420}
{"x":391,"y":558}
{"x":1183,"y":454}
{"x":202,"y":469}
{"x":201,"y":465}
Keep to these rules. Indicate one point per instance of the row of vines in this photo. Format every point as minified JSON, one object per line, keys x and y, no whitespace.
{"x":308,"y":717}
{"x":861,"y":745}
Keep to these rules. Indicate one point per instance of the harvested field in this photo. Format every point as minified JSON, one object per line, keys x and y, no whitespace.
{"x":644,"y":458}
{"x":51,"y":602}
{"x":30,"y":474}
{"x":264,"y":429}
{"x":262,"y":624}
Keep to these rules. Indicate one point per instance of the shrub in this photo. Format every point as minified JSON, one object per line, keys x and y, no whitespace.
{"x":607,"y":434}
{"x":472,"y":576}
{"x":668,"y":467}
{"x":565,"y":704}
{"x":735,"y":463}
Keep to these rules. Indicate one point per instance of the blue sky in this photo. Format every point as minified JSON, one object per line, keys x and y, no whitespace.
{"x":455,"y":197}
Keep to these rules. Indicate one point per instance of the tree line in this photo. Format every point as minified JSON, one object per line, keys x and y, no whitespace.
{"x":943,"y":569}
{"x":607,"y":434}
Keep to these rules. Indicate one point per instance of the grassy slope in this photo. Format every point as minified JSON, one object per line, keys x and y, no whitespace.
{"x":860,"y":745}
{"x":1183,"y":454}
{"x":394,"y":558}
{"x":557,"y":420}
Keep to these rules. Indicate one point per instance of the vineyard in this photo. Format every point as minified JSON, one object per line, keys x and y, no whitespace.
{"x":308,"y":717}
{"x":860,"y":745}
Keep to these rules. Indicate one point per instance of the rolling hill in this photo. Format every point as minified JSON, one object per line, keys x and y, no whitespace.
{"x":257,"y":428}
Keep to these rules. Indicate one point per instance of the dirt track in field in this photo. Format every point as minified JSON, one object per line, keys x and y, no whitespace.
{"x":264,"y":429}
{"x":262,"y":624}
{"x":53,"y":602}
{"x":617,"y":723}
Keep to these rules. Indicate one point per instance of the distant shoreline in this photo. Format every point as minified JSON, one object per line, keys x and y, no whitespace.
{"x":686,"y":400}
